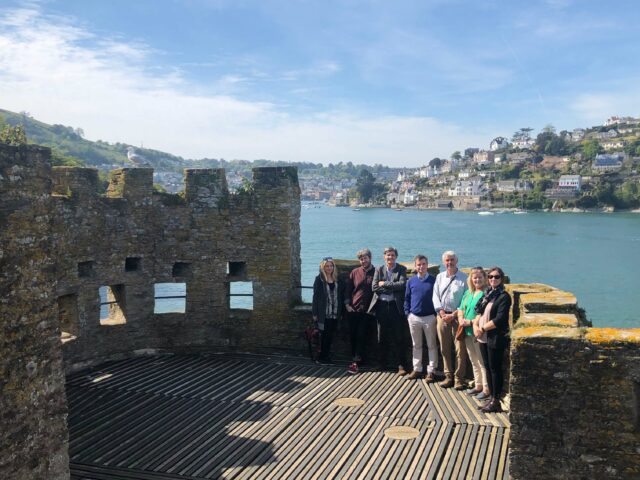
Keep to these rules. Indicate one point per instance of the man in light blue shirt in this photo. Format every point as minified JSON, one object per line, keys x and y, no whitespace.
{"x":447,"y":294}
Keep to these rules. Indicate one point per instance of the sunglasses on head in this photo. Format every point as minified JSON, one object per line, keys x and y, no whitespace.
{"x":495,"y":277}
{"x":326,"y":259}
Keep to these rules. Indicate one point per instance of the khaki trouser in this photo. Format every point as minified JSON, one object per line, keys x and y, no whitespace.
{"x":447,"y":337}
{"x":479,"y":372}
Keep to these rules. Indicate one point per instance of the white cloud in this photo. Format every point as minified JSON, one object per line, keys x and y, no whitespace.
{"x":61,"y":73}
{"x":595,"y":108}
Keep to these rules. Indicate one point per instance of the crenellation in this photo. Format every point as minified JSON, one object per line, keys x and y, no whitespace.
{"x":206,"y":188}
{"x":134,"y":184}
{"x":74,"y":182}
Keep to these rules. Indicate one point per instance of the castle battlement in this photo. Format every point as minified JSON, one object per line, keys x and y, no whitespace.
{"x":575,"y":391}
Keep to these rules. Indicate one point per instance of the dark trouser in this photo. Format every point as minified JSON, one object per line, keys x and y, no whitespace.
{"x":492,"y":359}
{"x":326,"y":336}
{"x":358,"y":323}
{"x":391,"y":334}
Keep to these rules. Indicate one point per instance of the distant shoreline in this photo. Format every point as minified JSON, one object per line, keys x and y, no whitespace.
{"x":497,"y":210}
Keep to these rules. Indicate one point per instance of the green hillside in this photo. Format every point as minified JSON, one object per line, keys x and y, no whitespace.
{"x":69,"y":148}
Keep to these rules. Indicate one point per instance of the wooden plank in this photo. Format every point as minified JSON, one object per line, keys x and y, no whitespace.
{"x":245,"y":418}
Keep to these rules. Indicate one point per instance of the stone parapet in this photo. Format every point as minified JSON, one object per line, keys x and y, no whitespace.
{"x":134,"y":184}
{"x":74,"y":182}
{"x":33,"y":410}
{"x":575,"y":397}
{"x":206,"y":188}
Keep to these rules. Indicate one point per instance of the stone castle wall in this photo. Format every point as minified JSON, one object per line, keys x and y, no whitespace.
{"x":33,"y":411}
{"x":60,"y":242}
{"x":132,"y":239}
{"x":575,"y":392}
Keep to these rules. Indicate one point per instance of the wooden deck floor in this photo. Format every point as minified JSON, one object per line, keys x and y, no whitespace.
{"x":184,"y":417}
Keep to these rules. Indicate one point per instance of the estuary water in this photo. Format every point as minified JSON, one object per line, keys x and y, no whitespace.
{"x":594,"y":255}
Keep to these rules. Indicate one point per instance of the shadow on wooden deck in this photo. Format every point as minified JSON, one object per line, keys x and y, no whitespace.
{"x":248,"y":417}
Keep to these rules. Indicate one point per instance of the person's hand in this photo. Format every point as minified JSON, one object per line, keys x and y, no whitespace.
{"x":476,"y":331}
{"x":349,"y":308}
{"x":381,"y":283}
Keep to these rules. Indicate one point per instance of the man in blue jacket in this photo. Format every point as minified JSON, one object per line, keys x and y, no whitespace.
{"x":418,"y":307}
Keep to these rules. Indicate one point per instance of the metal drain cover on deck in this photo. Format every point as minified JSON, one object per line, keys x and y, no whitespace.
{"x":401,"y":433}
{"x":348,"y":402}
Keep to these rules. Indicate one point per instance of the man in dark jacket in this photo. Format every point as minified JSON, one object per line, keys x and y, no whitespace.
{"x":357,"y":298}
{"x":389,"y":283}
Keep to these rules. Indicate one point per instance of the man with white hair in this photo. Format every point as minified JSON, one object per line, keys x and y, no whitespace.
{"x":447,"y":294}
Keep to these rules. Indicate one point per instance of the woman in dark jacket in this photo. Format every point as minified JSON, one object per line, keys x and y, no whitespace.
{"x":327,"y":305}
{"x":491,"y":328}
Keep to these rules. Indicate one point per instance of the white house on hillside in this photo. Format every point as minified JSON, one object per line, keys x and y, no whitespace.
{"x":498,"y":143}
{"x":613,"y":145}
{"x":606,"y":162}
{"x":516,"y":185}
{"x":524,"y":143}
{"x":466,"y":188}
{"x":570,"y":181}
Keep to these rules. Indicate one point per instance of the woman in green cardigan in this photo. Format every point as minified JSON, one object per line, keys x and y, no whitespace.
{"x":477,"y":281}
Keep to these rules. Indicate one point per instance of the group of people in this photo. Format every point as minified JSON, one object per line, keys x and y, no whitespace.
{"x":463,"y":317}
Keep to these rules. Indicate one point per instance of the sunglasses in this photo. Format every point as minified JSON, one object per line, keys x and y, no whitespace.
{"x":326,"y":259}
{"x":495,"y":277}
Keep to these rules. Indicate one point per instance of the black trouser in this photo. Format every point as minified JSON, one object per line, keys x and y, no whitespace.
{"x":391,"y":333}
{"x":326,"y":336}
{"x":358,"y":323}
{"x":492,"y":359}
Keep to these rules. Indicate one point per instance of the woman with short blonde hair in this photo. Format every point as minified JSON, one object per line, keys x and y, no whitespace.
{"x":477,"y":281}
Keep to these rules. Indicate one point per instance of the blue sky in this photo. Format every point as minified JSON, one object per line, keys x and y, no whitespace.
{"x":325,"y":81}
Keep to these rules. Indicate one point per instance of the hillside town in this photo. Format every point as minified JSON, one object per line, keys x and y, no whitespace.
{"x":581,"y":169}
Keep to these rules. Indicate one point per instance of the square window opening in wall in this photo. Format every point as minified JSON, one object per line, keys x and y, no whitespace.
{"x":68,"y":316}
{"x":170,"y":297}
{"x":236,"y":269}
{"x":132,"y":264}
{"x":241,"y":295}
{"x":85,"y":269}
{"x":112,"y":305}
{"x":181,"y":269}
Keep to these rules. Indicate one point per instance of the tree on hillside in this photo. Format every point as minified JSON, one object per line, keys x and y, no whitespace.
{"x":12,"y":135}
{"x":549,"y":143}
{"x":436,"y":163}
{"x":456,"y":156}
{"x":590,"y":148}
{"x":522,"y":134}
{"x":365,"y":186}
{"x":633,"y":147}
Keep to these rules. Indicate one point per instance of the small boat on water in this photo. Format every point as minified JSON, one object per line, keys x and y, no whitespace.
{"x":519,"y":211}
{"x":485,"y":212}
{"x":355,"y":209}
{"x":398,"y":209}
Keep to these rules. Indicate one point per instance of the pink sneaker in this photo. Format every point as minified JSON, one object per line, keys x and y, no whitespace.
{"x":353,"y":368}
